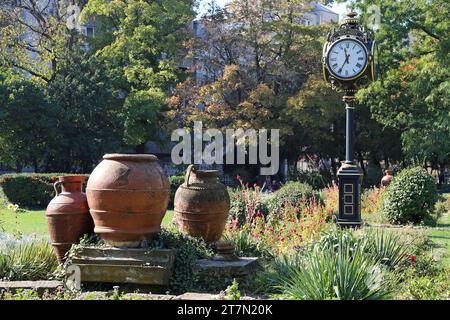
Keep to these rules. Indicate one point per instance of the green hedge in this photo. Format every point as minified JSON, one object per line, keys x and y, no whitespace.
{"x":30,"y":190}
{"x":35,"y":190}
{"x":175,"y":182}
{"x":293,"y":192}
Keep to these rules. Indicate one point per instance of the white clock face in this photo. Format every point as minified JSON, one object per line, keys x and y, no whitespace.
{"x":347,"y":58}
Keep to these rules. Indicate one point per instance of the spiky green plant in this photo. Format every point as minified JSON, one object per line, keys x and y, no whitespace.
{"x":338,"y":266}
{"x":26,"y":259}
{"x":387,"y":248}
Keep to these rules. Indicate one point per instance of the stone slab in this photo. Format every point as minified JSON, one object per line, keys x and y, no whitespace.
{"x":196,"y":296}
{"x":39,"y":286}
{"x":213,"y":272}
{"x":131,"y":266}
{"x":204,"y":296}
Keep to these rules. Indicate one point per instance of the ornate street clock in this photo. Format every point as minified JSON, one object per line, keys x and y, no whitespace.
{"x":348,"y":65}
{"x":348,"y":56}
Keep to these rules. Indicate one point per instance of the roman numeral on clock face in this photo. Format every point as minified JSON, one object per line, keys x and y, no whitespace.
{"x":358,"y":65}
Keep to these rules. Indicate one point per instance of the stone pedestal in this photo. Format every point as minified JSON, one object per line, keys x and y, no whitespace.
{"x":350,"y":177}
{"x":130,"y":266}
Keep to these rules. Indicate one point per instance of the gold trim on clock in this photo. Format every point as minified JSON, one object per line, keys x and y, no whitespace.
{"x":345,"y":198}
{"x":351,"y":210}
{"x":345,"y":186}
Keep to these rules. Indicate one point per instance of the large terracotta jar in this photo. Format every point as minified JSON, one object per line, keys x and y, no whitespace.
{"x":202,"y":204}
{"x":128,"y":196}
{"x":68,"y":215}
{"x":387,"y":179}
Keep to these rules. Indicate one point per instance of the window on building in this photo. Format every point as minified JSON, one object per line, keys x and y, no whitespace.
{"x":89,"y":31}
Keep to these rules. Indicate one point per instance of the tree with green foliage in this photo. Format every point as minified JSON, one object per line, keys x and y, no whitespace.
{"x":254,"y":56}
{"x":89,"y":122}
{"x":27,"y":121}
{"x":141,"y":48}
{"x":35,"y":37}
{"x":413,"y":96}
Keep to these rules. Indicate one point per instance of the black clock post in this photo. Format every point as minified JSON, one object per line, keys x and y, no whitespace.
{"x":348,"y":64}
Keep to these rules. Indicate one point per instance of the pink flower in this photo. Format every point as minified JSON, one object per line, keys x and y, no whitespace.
{"x":238,"y":177}
{"x":255,"y":185}
{"x":234,"y":223}
{"x":247,"y":184}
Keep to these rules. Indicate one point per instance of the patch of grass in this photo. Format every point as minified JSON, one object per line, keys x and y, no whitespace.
{"x":441,"y":237}
{"x":34,"y":222}
{"x":27,"y":222}
{"x":168,"y":218}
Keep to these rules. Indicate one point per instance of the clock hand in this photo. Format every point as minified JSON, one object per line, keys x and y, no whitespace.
{"x":346,"y":57}
{"x":340,"y":69}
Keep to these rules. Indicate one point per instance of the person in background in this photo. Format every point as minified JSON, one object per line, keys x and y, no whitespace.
{"x":275,"y":185}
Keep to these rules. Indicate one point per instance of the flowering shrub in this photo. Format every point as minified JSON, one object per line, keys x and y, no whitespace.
{"x":291,"y":193}
{"x":297,"y":222}
{"x":247,"y":203}
{"x":331,"y":195}
{"x":370,"y":200}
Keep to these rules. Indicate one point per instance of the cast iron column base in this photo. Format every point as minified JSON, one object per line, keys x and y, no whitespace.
{"x":350,"y":177}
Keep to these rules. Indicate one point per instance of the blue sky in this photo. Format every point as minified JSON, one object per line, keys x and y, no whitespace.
{"x":338,"y":8}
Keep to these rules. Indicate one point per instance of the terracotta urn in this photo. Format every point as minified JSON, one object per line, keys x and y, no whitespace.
{"x":68,"y":215}
{"x":128,"y":196}
{"x":202,"y":204}
{"x":386,"y":180}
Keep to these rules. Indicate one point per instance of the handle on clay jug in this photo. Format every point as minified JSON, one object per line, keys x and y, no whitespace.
{"x":55,"y":186}
{"x":188,"y":174}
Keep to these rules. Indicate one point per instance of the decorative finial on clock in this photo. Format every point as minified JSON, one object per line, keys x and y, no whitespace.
{"x":351,"y":18}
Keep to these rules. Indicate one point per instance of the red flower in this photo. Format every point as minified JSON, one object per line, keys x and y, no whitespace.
{"x":282,"y":239}
{"x":258,"y":214}
{"x":412,"y":258}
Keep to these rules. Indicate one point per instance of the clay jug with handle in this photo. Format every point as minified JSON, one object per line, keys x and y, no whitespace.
{"x":67,"y":215}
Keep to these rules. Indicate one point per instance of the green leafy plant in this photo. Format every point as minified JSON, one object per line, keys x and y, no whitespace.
{"x":428,"y":287}
{"x":232,"y":292}
{"x":188,"y":251}
{"x":410,"y":197}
